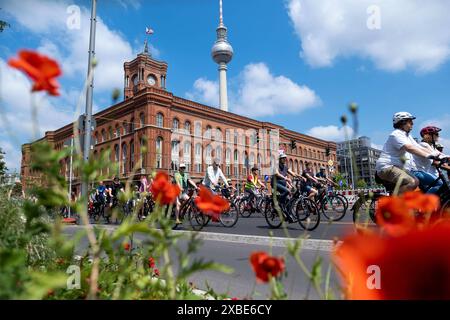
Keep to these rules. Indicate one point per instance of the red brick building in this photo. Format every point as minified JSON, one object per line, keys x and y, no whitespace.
{"x":175,"y":130}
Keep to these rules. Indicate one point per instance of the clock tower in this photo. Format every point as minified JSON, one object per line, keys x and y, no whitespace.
{"x":143,"y":72}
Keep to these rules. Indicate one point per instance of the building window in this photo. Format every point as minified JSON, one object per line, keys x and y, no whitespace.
{"x":228,"y":156}
{"x":175,"y":124}
{"x":124,"y":158}
{"x":116,"y":153}
{"x":187,"y":127}
{"x":159,"y":151}
{"x":218,"y":135}
{"x":131,"y":156}
{"x":104,"y":135}
{"x":208,"y":132}
{"x":218,"y":154}
{"x":117,"y":131}
{"x":96,"y":138}
{"x":209,"y":155}
{"x":110,"y":132}
{"x":142,"y":120}
{"x":160,"y":120}
{"x":227,"y":170}
{"x":131,"y":125}
{"x":175,"y":154}
{"x":143,"y":152}
{"x":198,"y":129}
{"x":227,"y":135}
{"x":124,"y":128}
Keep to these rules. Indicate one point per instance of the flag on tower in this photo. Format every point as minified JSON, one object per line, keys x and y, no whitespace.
{"x":148,"y":30}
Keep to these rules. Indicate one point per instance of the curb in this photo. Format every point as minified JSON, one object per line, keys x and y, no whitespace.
{"x":307,"y":244}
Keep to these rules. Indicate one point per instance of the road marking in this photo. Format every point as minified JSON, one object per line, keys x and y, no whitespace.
{"x":307,"y":244}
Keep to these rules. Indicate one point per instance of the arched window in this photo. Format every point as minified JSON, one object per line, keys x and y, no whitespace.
{"x":159,"y":152}
{"x":175,"y":124}
{"x":131,"y":126}
{"x":143,"y":152}
{"x":131,"y":156}
{"x":259,"y":161}
{"x":175,"y":154}
{"x":236,"y":157}
{"x":104,"y":135}
{"x":208,"y":155}
{"x":187,"y":155}
{"x":208,"y":132}
{"x":96,"y":138}
{"x":117,"y":131}
{"x":228,"y":156}
{"x":228,"y":135}
{"x":159,"y":120}
{"x":111,"y":133}
{"x":219,"y":153}
{"x":124,"y":125}
{"x":296,"y":166}
{"x":252,"y":160}
{"x":218,"y":135}
{"x":198,"y":129}
{"x":142,"y":120}
{"x":116,"y":153}
{"x":198,"y":158}
{"x":124,"y":158}
{"x":187,"y":127}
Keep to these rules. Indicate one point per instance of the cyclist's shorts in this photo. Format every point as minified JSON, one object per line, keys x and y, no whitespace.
{"x":183,"y":196}
{"x":393,"y":174}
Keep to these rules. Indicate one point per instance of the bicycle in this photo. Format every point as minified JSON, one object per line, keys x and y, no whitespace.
{"x":246,"y":207}
{"x":332,"y":206}
{"x":298,"y":208}
{"x":229,"y":218}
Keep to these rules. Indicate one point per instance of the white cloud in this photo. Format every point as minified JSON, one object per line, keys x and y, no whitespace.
{"x":256,"y":92}
{"x":412,"y":35}
{"x":70,"y":46}
{"x":331,"y":133}
{"x":205,"y":91}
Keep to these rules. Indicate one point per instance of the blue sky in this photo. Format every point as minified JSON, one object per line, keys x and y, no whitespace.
{"x":297,"y":63}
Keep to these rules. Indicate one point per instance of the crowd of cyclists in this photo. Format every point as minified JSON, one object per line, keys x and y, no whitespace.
{"x":404,"y":162}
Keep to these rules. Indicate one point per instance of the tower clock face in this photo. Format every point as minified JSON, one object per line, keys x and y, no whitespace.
{"x":151,"y":80}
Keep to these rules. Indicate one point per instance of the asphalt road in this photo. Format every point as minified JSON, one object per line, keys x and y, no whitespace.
{"x":241,"y":283}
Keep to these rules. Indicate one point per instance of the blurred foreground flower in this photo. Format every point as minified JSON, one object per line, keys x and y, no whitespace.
{"x":163,"y":191}
{"x":399,"y":214}
{"x":263,"y":265}
{"x":212,"y":205}
{"x":412,"y":266}
{"x":41,"y":69}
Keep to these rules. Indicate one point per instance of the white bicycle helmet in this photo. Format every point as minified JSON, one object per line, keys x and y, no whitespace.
{"x":400,"y":116}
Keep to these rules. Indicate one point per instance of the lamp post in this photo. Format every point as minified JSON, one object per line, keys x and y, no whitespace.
{"x":89,"y":97}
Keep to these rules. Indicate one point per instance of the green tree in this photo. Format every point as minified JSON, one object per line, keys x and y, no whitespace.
{"x":3,"y":167}
{"x":338,"y":178}
{"x":361,"y":184}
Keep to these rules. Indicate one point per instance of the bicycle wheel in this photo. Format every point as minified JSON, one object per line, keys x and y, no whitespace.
{"x":196,"y":217}
{"x":244,"y":208}
{"x":364,"y":211}
{"x":229,"y":218}
{"x":334,"y":208}
{"x":307,"y":214}
{"x":273,"y":218}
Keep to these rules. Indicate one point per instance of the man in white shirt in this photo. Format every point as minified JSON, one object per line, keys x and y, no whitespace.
{"x":213,"y":174}
{"x":390,"y":166}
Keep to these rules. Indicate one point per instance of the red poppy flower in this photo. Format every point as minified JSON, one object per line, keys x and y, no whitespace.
{"x":412,"y":266}
{"x":263,"y":265}
{"x":151,"y":263}
{"x":41,"y":69}
{"x":212,"y":205}
{"x":425,"y":203}
{"x":394,"y":215}
{"x":156,"y":272}
{"x":126,"y":246}
{"x":163,"y":191}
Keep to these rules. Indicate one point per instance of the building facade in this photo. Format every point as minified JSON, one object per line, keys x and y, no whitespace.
{"x":364,"y":160}
{"x":152,"y":129}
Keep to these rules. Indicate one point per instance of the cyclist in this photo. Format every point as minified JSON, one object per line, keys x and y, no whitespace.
{"x":422,"y":167}
{"x":281,"y":181}
{"x":183,"y":181}
{"x":213,"y":175}
{"x":308,"y":174}
{"x":100,"y":192}
{"x":322,"y":177}
{"x":253,"y":184}
{"x":143,"y":184}
{"x":114,"y":190}
{"x":390,"y":167}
